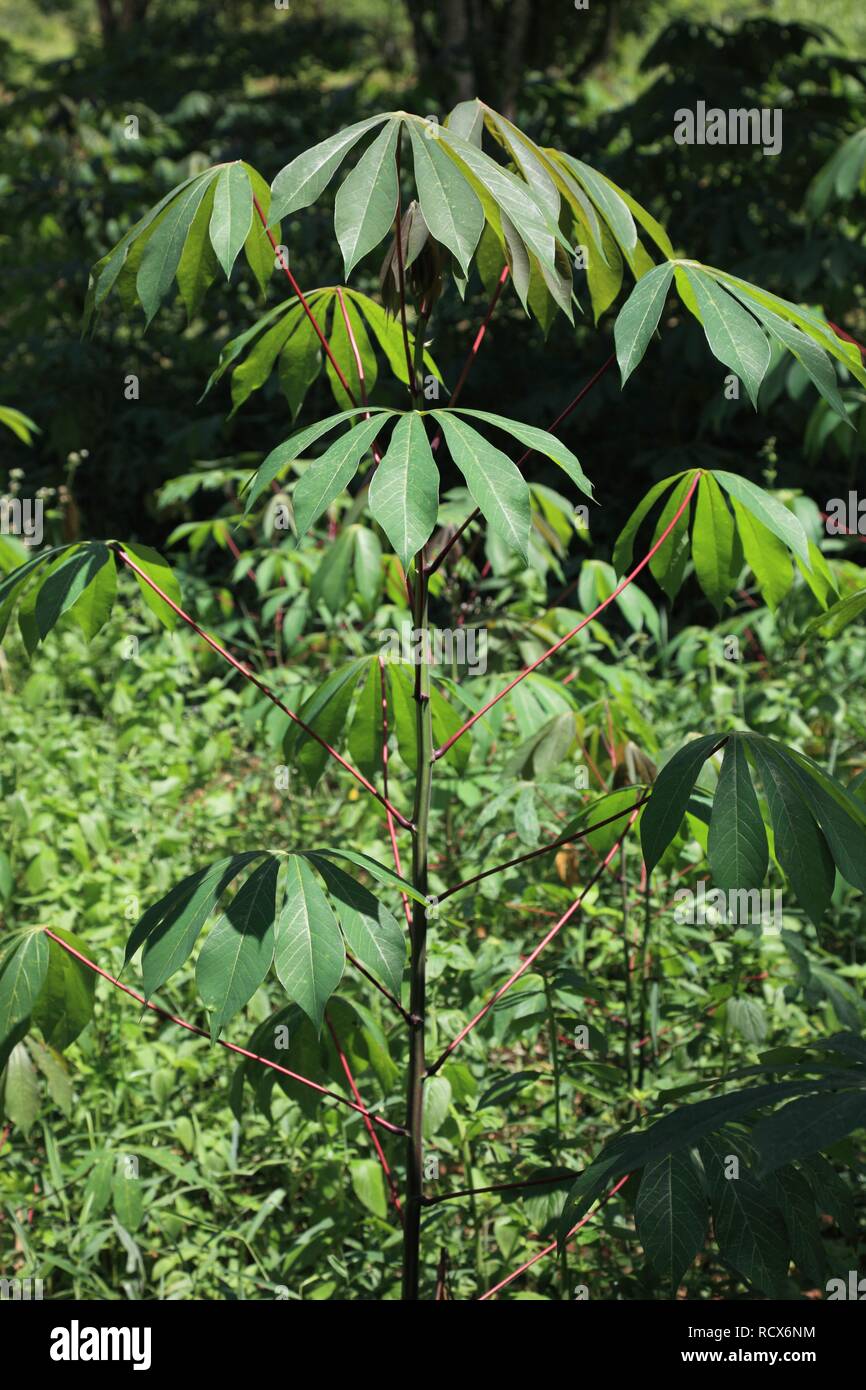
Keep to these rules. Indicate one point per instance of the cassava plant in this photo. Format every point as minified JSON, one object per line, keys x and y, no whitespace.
{"x":476,"y":197}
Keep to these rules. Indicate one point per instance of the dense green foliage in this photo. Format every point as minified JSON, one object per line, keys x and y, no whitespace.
{"x":716,"y":704}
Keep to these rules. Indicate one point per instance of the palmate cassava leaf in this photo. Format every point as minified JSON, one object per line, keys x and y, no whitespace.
{"x":496,"y":485}
{"x":749,"y":1228}
{"x":760,"y":530}
{"x":326,"y":713}
{"x":22,"y":975}
{"x":300,"y":182}
{"x":737,"y":841}
{"x":309,"y":954}
{"x":372,"y":933}
{"x":239,"y":949}
{"x":232,"y":215}
{"x":404,"y":491}
{"x":293,"y":448}
{"x":169,"y":929}
{"x":808,"y":1125}
{"x":815,"y":821}
{"x":639,"y":317}
{"x":285,"y":339}
{"x":366,"y":203}
{"x":671,"y":1215}
{"x":65,"y":1004}
{"x":732,"y":333}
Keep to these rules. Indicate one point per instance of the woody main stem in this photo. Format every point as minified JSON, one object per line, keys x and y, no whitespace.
{"x":418,"y":948}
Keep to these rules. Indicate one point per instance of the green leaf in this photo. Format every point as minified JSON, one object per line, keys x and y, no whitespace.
{"x":663,"y":813}
{"x":163,"y":251}
{"x":366,"y":203}
{"x":127,"y":1197}
{"x":330,"y":582}
{"x":159,"y":570}
{"x":668,"y":564}
{"x":300,"y":363}
{"x":733,"y":335}
{"x":169,"y":929}
{"x":260,"y":254}
{"x":67,"y":582}
{"x":713,"y":543}
{"x":365,"y":732}
{"x":540,"y":441}
{"x":839,"y":615}
{"x":765,"y":508}
{"x":368,"y":1183}
{"x":639,"y":317}
{"x":495,"y":484}
{"x":812,"y":358}
{"x":325,"y":712}
{"x":293,"y":448}
{"x":767,"y":557}
{"x":232,"y":215}
{"x":256,"y":367}
{"x":611,"y":206}
{"x":198,"y":265}
{"x":22,"y":977}
{"x":808,"y":1126}
{"x":346,"y":354}
{"x":404,"y":491}
{"x":327,"y":476}
{"x":309,"y":953}
{"x":65,"y":1005}
{"x":300,"y":182}
{"x":799,"y":844}
{"x":791,"y":1193}
{"x":21,"y":1090}
{"x":671,"y":1215}
{"x":92,"y":609}
{"x":380,"y":872}
{"x":238,"y":952}
{"x":372,"y":932}
{"x":737,"y":842}
{"x":449,"y":207}
{"x":749,"y":1229}
{"x":623,"y":550}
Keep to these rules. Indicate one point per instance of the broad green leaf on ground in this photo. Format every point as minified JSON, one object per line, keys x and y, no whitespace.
{"x":737,"y":841}
{"x":671,"y":1215}
{"x":404,"y":491}
{"x":238,"y":951}
{"x":309,"y":952}
{"x":127,"y":1195}
{"x":495,"y":484}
